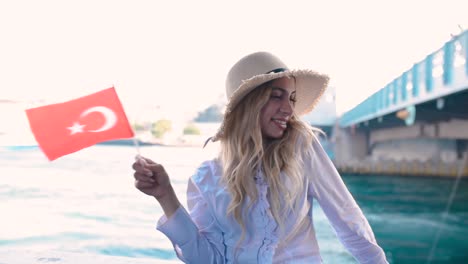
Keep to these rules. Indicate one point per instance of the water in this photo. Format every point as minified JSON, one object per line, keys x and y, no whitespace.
{"x":85,"y":202}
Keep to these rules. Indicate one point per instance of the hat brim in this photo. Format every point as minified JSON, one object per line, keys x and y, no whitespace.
{"x":310,"y":86}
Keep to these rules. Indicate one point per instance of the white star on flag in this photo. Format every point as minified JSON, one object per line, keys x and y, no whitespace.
{"x":76,"y":128}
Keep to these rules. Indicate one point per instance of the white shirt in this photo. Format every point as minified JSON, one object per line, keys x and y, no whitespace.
{"x":208,"y":235}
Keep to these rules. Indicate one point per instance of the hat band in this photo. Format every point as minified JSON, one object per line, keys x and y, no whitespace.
{"x":277,"y":70}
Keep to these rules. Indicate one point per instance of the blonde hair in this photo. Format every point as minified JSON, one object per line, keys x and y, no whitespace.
{"x":244,"y":151}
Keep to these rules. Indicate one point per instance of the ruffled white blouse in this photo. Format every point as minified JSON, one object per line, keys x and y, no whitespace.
{"x":208,"y":235}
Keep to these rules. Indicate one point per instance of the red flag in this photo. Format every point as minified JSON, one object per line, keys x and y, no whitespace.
{"x":64,"y":128}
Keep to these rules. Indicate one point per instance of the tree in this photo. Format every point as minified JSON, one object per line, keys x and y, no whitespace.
{"x":212,"y":114}
{"x":138,"y":127}
{"x":191,"y":129}
{"x":161,"y":127}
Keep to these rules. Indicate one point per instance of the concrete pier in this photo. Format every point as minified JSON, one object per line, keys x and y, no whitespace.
{"x":403,"y":168}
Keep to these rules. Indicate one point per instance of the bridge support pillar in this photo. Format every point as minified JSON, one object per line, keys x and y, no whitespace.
{"x":351,"y":144}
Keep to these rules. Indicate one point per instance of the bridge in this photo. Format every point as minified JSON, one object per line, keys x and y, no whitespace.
{"x":417,"y":124}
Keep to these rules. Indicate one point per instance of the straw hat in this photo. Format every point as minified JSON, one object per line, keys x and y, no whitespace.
{"x":260,"y":67}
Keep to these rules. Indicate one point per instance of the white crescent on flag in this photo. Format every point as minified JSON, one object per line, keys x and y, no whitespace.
{"x":109,"y":115}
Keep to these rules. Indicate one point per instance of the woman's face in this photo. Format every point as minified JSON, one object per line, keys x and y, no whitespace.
{"x":275,"y":115}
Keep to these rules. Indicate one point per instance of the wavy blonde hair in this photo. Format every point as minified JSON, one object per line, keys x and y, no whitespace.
{"x":244,"y":151}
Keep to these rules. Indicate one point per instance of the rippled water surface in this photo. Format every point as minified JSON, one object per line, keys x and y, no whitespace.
{"x":86,"y":202}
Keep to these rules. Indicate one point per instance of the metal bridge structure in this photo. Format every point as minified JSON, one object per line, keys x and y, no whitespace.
{"x":418,"y":121}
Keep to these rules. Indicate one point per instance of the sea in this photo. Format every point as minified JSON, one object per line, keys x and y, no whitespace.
{"x":86,"y":203}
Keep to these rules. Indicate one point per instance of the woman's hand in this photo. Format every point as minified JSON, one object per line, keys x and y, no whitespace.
{"x":152,"y":179}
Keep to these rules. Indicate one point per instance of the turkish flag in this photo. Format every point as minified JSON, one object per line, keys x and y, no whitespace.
{"x":64,"y":128}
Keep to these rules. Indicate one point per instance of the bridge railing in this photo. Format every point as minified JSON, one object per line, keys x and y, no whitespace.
{"x":442,"y":72}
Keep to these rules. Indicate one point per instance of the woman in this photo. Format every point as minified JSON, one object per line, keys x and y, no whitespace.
{"x":253,"y":204}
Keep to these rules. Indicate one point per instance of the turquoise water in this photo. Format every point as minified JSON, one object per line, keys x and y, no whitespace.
{"x":86,"y":202}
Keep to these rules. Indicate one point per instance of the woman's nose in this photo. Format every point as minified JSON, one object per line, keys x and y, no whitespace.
{"x":287,"y":107}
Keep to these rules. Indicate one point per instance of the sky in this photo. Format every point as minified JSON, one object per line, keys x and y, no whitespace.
{"x":169,"y":59}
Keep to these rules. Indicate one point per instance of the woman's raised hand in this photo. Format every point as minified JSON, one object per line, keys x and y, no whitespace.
{"x":151,"y":178}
